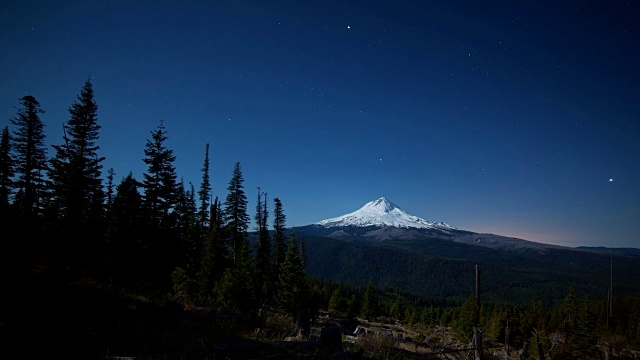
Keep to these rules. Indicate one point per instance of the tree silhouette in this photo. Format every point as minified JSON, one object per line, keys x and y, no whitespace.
{"x":235,"y":212}
{"x":29,"y":156}
{"x":75,"y":174}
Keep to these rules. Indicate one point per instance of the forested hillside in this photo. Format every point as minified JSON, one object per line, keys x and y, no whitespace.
{"x":431,"y":266}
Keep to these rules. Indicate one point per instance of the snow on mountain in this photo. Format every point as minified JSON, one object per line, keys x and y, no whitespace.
{"x":382,"y":212}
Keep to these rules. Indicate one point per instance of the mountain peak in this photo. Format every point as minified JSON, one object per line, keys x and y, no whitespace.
{"x":381,"y":212}
{"x":382,"y":204}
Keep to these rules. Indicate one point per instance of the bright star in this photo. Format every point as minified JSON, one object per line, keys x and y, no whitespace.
{"x":610,"y":180}
{"x":348,"y":27}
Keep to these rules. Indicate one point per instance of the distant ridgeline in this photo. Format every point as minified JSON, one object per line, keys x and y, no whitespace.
{"x":431,"y":266}
{"x":434,"y":259}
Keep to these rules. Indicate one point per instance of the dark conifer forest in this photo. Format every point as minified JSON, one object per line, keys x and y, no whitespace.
{"x":96,"y":263}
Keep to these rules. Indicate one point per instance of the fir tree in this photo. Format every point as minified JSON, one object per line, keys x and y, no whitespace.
{"x":236,"y":287}
{"x":303,"y":253}
{"x":467,"y":319}
{"x":125,"y":232}
{"x":162,"y":248}
{"x":204,"y":193}
{"x":76,"y":168}
{"x":368,"y":309}
{"x":75,"y":172}
{"x":6,"y":173}
{"x":235,"y":212}
{"x":292,"y":287}
{"x":29,"y":156}
{"x":7,"y":247}
{"x":279,"y":236}
{"x":213,"y":259}
{"x":187,"y":229}
{"x":336,"y":302}
{"x":263,"y":248}
{"x":159,"y":182}
{"x":584,"y":340}
{"x":110,"y":175}
{"x":569,"y":313}
{"x":397,"y":307}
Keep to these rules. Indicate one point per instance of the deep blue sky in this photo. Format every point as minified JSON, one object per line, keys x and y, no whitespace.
{"x":509,"y":117}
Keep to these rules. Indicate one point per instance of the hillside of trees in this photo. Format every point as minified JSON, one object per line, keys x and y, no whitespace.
{"x":155,"y":267}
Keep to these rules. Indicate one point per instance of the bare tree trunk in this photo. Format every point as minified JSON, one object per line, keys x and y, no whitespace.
{"x":477,"y":343}
{"x":608,"y":354}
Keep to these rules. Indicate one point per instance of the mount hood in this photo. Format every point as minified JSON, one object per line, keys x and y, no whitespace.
{"x":382,"y":212}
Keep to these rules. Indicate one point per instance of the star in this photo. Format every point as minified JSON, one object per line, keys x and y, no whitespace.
{"x":611,"y":180}
{"x":348,"y":27}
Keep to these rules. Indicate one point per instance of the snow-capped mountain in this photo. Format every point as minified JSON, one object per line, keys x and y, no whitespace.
{"x":382,"y":212}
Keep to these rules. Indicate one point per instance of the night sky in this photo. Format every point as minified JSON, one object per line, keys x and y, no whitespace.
{"x":518,"y":118}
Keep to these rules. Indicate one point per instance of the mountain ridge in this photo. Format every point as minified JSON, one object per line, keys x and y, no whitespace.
{"x":371,"y":244}
{"x":381,"y":219}
{"x":381,"y":212}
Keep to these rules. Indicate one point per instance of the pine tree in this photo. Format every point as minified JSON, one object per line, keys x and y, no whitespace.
{"x":467,"y":319}
{"x":236,"y":288}
{"x":235,"y":212}
{"x":76,"y":167}
{"x":496,"y":325}
{"x":428,"y":316}
{"x":126,"y":232}
{"x":162,"y":248}
{"x":584,"y":340}
{"x":213,"y":258}
{"x":77,"y":195}
{"x":397,"y":307}
{"x":187,"y":229}
{"x":569,"y":313}
{"x":368,"y":309}
{"x":110,"y":175}
{"x":336,"y":302}
{"x":159,"y":182}
{"x":292,"y":287}
{"x":6,"y":173}
{"x":303,"y":254}
{"x":7,"y":247}
{"x":279,"y":236}
{"x":263,"y":248}
{"x":29,"y":156}
{"x":204,"y":193}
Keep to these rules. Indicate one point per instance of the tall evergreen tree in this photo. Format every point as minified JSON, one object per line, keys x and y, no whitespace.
{"x":214,"y":254}
{"x":368,"y":309}
{"x":6,"y":172}
{"x":337,"y":303}
{"x":292,"y":286}
{"x":126,"y":232}
{"x":235,"y":212}
{"x":236,"y":287}
{"x":279,"y":236}
{"x":263,"y":248}
{"x":110,"y":175}
{"x":204,"y":193}
{"x":76,"y":168}
{"x":29,"y":156}
{"x":162,"y":248}
{"x":187,"y":229}
{"x":468,"y":318}
{"x":303,"y":253}
{"x":77,"y":195}
{"x":159,"y":182}
{"x":7,"y":249}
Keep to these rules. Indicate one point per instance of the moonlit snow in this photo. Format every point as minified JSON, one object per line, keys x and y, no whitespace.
{"x":382,"y":212}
